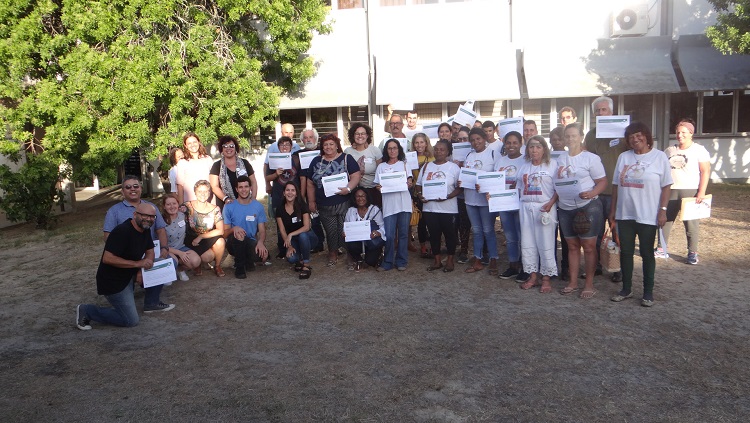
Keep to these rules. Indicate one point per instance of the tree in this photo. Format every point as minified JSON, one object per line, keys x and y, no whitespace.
{"x":87,"y":81}
{"x":731,"y":34}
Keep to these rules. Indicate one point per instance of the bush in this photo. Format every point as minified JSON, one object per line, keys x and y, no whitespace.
{"x":31,"y":193}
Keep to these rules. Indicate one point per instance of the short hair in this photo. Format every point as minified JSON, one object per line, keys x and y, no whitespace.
{"x":353,"y":197}
{"x":450,"y":128}
{"x":464,"y":128}
{"x":284,"y":139}
{"x":478,"y":131}
{"x":330,"y":137}
{"x":412,"y":112}
{"x":448,"y":145}
{"x":204,"y":183}
{"x":569,"y":109}
{"x":577,"y":125}
{"x":173,"y":155}
{"x":489,"y":124}
{"x":599,"y":100}
{"x":559,"y":131}
{"x":353,"y":129}
{"x":513,"y":134}
{"x":545,"y":156}
{"x":401,"y":154}
{"x":130,"y":178}
{"x":428,"y":147}
{"x":529,"y":122}
{"x":396,"y":115}
{"x":224,"y":139}
{"x":243,"y":178}
{"x":201,"y":150}
{"x":641,"y":127}
{"x":314,"y":131}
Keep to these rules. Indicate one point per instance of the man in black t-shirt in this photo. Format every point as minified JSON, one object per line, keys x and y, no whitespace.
{"x":128,"y":248}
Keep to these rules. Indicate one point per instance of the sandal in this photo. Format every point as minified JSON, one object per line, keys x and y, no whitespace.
{"x":332,"y":263}
{"x":305,"y":273}
{"x":475,"y":267}
{"x":219,"y":272}
{"x":568,"y":290}
{"x":298,"y":266}
{"x":198,"y":271}
{"x":350,"y":267}
{"x":493,"y":267}
{"x":434,"y":267}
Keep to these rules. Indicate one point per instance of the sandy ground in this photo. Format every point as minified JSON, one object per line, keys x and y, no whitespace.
{"x":406,"y":346}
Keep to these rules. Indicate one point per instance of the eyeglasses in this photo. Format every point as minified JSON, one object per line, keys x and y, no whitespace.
{"x":228,"y":145}
{"x":463,"y":139}
{"x":360,"y":134}
{"x":146,"y":216}
{"x":134,"y":186}
{"x":396,"y":123}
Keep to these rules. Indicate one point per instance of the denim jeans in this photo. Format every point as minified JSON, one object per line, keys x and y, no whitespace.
{"x":483,"y":229}
{"x":398,"y":222}
{"x":511,"y":221}
{"x":302,"y":244}
{"x":122,"y":313}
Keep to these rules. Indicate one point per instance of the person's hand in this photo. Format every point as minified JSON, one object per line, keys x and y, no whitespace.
{"x":361,"y":163}
{"x":164,"y":253}
{"x":228,"y":201}
{"x":146,"y":263}
{"x":268,"y":188}
{"x":410,"y":182}
{"x":313,"y":207}
{"x":476,"y":187}
{"x":239,"y":233}
{"x":288,"y":242}
{"x":344,"y":191}
{"x":289,"y":251}
{"x":661,"y":218}
{"x":261,"y":250}
{"x":458,"y":184}
{"x":422,"y":199}
{"x":586,"y":195}
{"x":374,"y":234}
{"x":378,"y":187}
{"x":279,"y":171}
{"x":184,"y":257}
{"x":197,"y":240}
{"x":488,"y":196}
{"x":699,"y":198}
{"x":546,"y":207}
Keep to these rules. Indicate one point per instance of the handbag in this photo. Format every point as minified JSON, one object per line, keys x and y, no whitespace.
{"x":415,"y":215}
{"x":609,"y":251}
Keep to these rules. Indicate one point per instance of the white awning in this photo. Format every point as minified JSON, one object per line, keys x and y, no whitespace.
{"x":706,"y":69}
{"x":341,"y":78}
{"x":438,"y":75}
{"x":604,"y":66}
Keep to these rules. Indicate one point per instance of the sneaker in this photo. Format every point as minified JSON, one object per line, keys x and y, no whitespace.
{"x":240,"y":274}
{"x":692,"y":258}
{"x":181,"y":275}
{"x":485,"y":260}
{"x":267,"y":262}
{"x":281,"y":256}
{"x":382,"y":269}
{"x":158,"y":307}
{"x":508,"y":273}
{"x":401,"y":268}
{"x":659,"y":253}
{"x":463,"y":258}
{"x":647,"y":303}
{"x":82,"y":322}
{"x":621,"y":296}
{"x":522,"y":277}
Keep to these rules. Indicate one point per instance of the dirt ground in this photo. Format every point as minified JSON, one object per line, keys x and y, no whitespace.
{"x":406,"y":346}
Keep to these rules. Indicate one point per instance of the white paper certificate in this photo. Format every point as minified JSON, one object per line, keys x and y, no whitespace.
{"x":692,"y":210}
{"x":461,"y":150}
{"x":279,"y":161}
{"x":557,"y":154}
{"x":512,"y":124}
{"x":431,"y":130}
{"x":404,"y":143}
{"x":505,"y":200}
{"x":357,"y":231}
{"x":611,"y":126}
{"x":435,"y":190}
{"x":465,"y":117}
{"x":412,"y":160}
{"x":393,"y":182}
{"x":305,"y":157}
{"x":161,"y":272}
{"x":568,"y":189}
{"x":468,"y":178}
{"x":334,"y":183}
{"x":157,"y":248}
{"x":491,"y":181}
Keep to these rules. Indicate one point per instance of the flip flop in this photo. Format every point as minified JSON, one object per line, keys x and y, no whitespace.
{"x":568,"y":290}
{"x":433,"y":267}
{"x":305,"y":273}
{"x":584,"y":294}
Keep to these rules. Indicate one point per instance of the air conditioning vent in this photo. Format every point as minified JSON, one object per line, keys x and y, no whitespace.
{"x":630,"y":21}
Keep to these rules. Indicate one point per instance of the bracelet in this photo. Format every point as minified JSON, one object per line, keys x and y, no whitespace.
{"x":663,"y":208}
{"x":164,"y":248}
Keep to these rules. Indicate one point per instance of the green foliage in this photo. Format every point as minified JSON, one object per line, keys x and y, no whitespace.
{"x":731,"y":34}
{"x":30,"y":194}
{"x":102,"y":78}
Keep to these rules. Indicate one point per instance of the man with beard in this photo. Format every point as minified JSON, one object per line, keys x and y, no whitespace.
{"x":129,"y":247}
{"x":245,"y":229}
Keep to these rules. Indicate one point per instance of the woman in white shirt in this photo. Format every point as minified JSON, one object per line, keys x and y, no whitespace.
{"x":642,"y":183}
{"x":365,"y":252}
{"x":510,"y":163}
{"x":396,"y":207}
{"x":368,"y":158}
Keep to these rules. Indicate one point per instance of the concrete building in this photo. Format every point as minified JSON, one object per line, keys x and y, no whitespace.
{"x":531,"y":58}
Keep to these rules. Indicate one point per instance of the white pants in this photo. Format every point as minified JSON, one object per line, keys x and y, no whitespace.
{"x":538,"y":241}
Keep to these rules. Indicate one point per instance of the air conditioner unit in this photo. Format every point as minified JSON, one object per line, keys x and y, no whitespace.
{"x":630,"y":21}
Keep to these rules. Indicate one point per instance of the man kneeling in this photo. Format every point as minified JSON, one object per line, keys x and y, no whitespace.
{"x":245,"y":229}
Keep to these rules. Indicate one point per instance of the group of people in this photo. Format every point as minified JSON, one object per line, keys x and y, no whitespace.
{"x":581,"y":182}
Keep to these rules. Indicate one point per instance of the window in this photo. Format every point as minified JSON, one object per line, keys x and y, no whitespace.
{"x":490,"y":110}
{"x":324,"y":120}
{"x":682,"y":106}
{"x":351,"y":4}
{"x":353,"y":114}
{"x":640,"y":108}
{"x":717,"y":112}
{"x":743,"y":111}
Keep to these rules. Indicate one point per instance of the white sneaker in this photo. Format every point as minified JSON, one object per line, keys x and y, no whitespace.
{"x":181,"y":275}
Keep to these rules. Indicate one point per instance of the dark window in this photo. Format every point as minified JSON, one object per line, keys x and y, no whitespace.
{"x":743,"y":112}
{"x":682,"y":106}
{"x":717,"y":112}
{"x":324,"y":120}
{"x":640,"y":108}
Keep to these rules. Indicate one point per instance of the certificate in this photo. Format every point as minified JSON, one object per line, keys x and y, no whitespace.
{"x":568,"y":189}
{"x":157,"y":246}
{"x":305,"y":157}
{"x":404,"y":143}
{"x":279,"y":161}
{"x":161,"y":272}
{"x":393,"y":182}
{"x":435,"y":190}
{"x":691,"y":210}
{"x":557,"y":154}
{"x":512,"y":124}
{"x":334,"y":183}
{"x":412,"y":160}
{"x":465,"y":116}
{"x":468,"y":178}
{"x":461,"y":150}
{"x":611,"y":126}
{"x":505,"y":200}
{"x":357,"y":231}
{"x":431,"y":131}
{"x":491,"y":181}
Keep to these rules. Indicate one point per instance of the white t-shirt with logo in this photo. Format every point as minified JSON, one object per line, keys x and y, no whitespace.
{"x":479,"y":161}
{"x":535,"y":182}
{"x":640,"y":179}
{"x":577,"y":171}
{"x":684,"y":163}
{"x":448,"y":172}
{"x":511,"y":168}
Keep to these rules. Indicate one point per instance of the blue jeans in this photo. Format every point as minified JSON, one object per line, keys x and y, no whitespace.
{"x":483,"y":229}
{"x":511,"y":221}
{"x":302,"y":244}
{"x":398,"y":222}
{"x":123,"y":312}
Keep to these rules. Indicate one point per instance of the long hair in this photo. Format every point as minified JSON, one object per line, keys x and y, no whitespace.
{"x":164,"y":214}
{"x":428,"y":147}
{"x":401,"y":154}
{"x":545,"y":155}
{"x":298,"y":203}
{"x":201,"y":150}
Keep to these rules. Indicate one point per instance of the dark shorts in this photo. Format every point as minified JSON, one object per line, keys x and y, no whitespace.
{"x":594,"y":213}
{"x":202,"y":246}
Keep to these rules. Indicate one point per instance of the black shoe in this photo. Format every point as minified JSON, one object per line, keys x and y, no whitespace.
{"x":281,"y":255}
{"x":250,"y":267}
{"x":509,"y":273}
{"x":82,"y":322}
{"x":240,"y":274}
{"x":463,"y":258}
{"x":617,"y":277}
{"x":522,"y":277}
